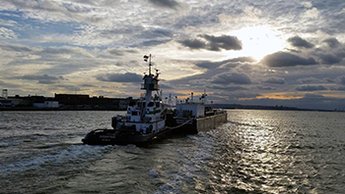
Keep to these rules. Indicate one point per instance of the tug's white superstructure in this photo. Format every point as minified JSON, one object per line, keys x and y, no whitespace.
{"x":147,"y":115}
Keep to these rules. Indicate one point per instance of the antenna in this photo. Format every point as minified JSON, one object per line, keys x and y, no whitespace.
{"x":148,"y":58}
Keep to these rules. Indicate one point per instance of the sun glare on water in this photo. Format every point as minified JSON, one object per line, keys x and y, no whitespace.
{"x":259,"y":41}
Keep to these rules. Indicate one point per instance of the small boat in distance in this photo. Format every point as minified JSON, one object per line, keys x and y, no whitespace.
{"x":149,"y":119}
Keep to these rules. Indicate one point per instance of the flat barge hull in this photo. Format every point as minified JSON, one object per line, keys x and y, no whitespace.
{"x":203,"y":124}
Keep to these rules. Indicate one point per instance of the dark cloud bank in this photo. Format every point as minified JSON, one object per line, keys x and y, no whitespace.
{"x":285,"y":59}
{"x":118,"y":77}
{"x":231,"y":78}
{"x":42,"y":79}
{"x":275,"y":80}
{"x":329,"y":52}
{"x":300,"y":43}
{"x":213,"y":43}
{"x":165,"y":3}
{"x":311,"y":88}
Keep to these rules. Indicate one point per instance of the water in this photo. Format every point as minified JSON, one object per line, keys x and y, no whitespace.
{"x":255,"y":152}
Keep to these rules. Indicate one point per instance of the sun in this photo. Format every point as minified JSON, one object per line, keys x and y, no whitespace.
{"x":259,"y":41}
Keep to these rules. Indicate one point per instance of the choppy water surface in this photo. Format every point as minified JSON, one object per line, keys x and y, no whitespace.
{"x":255,"y":152}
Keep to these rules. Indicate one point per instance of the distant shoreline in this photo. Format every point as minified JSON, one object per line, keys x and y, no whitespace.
{"x":84,"y":102}
{"x":228,"y":107}
{"x":55,"y":109}
{"x":260,"y":107}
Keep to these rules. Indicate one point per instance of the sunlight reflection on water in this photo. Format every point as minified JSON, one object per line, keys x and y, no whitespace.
{"x":271,"y":151}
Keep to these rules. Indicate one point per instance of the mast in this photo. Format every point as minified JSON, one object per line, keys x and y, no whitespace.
{"x":150,"y":81}
{"x":150,"y":65}
{"x":148,"y":58}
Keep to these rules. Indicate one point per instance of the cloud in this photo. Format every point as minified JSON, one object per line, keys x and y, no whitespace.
{"x":15,"y":48}
{"x":69,"y":87}
{"x":150,"y":43}
{"x":118,"y":77}
{"x":275,"y":80}
{"x":194,"y":43}
{"x":36,"y":5}
{"x":307,"y":80}
{"x":231,"y":78}
{"x":342,"y":80}
{"x":237,"y":95}
{"x":266,"y":88}
{"x":50,"y":60}
{"x":308,"y":88}
{"x":7,"y":33}
{"x":122,"y":52}
{"x":165,"y":3}
{"x":165,"y":86}
{"x":225,"y":42}
{"x":332,"y":52}
{"x":154,"y":36}
{"x":42,"y":79}
{"x":226,"y":87}
{"x":37,"y":9}
{"x":338,"y":88}
{"x":211,"y":69}
{"x":157,"y":33}
{"x":57,"y":11}
{"x":284,"y":59}
{"x":330,"y":58}
{"x":208,"y":64}
{"x":196,"y":19}
{"x":242,"y":59}
{"x":213,"y":43}
{"x":298,"y":42}
{"x":80,"y":39}
{"x":313,"y":96}
{"x":8,"y":85}
{"x":332,"y":42}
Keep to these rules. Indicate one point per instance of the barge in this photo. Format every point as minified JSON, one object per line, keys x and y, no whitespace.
{"x":148,"y":119}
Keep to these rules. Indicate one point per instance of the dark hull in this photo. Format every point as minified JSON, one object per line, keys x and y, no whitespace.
{"x":123,"y":137}
{"x":115,"y":137}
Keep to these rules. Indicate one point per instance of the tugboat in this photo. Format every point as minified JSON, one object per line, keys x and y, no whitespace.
{"x":149,"y":119}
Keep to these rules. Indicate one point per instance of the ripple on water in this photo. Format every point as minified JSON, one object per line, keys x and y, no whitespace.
{"x":256,"y":152}
{"x":70,"y":154}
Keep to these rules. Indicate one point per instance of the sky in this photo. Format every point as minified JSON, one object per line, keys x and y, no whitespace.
{"x":267,"y":52}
